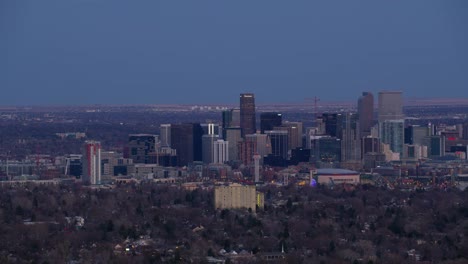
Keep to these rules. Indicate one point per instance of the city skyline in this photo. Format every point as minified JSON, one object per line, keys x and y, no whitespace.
{"x":114,"y":52}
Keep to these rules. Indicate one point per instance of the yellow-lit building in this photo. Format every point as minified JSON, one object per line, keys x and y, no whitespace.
{"x":260,"y":200}
{"x":235,"y":196}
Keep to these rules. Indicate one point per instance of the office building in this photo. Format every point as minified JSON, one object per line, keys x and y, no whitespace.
{"x":211,"y":129}
{"x":435,"y":146}
{"x":366,"y":113}
{"x":279,"y":143}
{"x":247,"y":114}
{"x":415,"y":135}
{"x":231,"y":118}
{"x":325,"y":149}
{"x":350,"y":138}
{"x":247,"y":150}
{"x":294,"y":133}
{"x":390,"y":106}
{"x":233,"y":135}
{"x":412,"y":152}
{"x":370,"y":144}
{"x":140,"y":146}
{"x":392,"y":133}
{"x":165,"y":135}
{"x":332,"y":124}
{"x":208,"y":147}
{"x":187,"y":141}
{"x":270,"y":120}
{"x":92,"y":162}
{"x":220,"y":151}
{"x":262,"y":142}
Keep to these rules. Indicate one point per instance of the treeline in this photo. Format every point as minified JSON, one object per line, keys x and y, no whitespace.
{"x":311,"y":225}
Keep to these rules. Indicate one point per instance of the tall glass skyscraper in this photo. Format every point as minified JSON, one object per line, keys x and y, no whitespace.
{"x":391,"y":120}
{"x":392,"y":133}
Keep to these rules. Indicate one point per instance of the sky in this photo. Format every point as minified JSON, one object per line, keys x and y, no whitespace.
{"x":59,"y":52}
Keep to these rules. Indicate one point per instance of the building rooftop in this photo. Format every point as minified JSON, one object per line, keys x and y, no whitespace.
{"x":335,"y":172}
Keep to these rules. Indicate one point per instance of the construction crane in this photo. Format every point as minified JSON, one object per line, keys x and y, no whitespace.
{"x":315,"y":101}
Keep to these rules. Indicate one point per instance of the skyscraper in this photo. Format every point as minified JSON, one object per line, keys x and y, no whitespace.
{"x":392,"y":133}
{"x":294,"y":133}
{"x":390,"y":105}
{"x":233,"y":135}
{"x":332,"y":125}
{"x":211,"y":129}
{"x":350,"y":138}
{"x":187,"y":141}
{"x":92,"y":162}
{"x":365,"y":113}
{"x":165,"y":135}
{"x":279,"y":143}
{"x":247,"y":114}
{"x":262,"y":142}
{"x":220,"y":151}
{"x":269,"y":120}
{"x":231,"y":118}
{"x":208,"y":145}
{"x":391,"y":120}
{"x":247,"y":148}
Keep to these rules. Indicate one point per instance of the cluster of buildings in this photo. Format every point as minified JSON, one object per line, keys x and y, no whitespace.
{"x":240,"y":147}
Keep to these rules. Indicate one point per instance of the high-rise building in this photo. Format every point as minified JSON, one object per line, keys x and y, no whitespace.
{"x":270,"y":120}
{"x":325,"y":149}
{"x":263,"y":143}
{"x":165,"y":135}
{"x":220,"y":151}
{"x":332,"y":124}
{"x":390,"y":105}
{"x":370,"y":145}
{"x":231,"y":118}
{"x":279,"y":143}
{"x":187,"y":141}
{"x":391,"y":120}
{"x":211,"y":129}
{"x":392,"y":133}
{"x":92,"y":162}
{"x":414,"y":134}
{"x":350,"y":138}
{"x":435,"y":146}
{"x":208,"y":147}
{"x":366,"y":113}
{"x":141,"y":146}
{"x":247,"y":114}
{"x":233,"y":135}
{"x":247,"y":149}
{"x":294,"y":133}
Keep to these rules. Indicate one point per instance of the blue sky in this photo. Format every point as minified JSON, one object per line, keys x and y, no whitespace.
{"x":149,"y":51}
